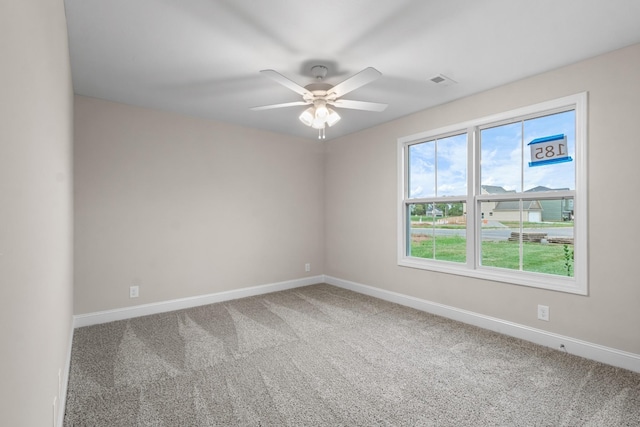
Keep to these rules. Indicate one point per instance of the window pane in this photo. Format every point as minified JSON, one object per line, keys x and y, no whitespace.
{"x":501,"y":158}
{"x":528,"y":235}
{"x":438,"y":168}
{"x":422,"y":170}
{"x":500,"y":222}
{"x":437,"y":231}
{"x":553,"y":176}
{"x":452,"y":166}
{"x":548,"y":245}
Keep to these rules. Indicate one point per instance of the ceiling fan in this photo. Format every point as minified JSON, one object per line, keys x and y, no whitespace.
{"x":321,"y":96}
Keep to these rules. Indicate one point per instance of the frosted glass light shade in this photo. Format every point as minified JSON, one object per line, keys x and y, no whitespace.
{"x":307,"y":116}
{"x":318,"y":124}
{"x":333,"y":117}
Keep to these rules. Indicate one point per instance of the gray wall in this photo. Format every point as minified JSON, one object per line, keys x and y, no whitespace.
{"x":36,"y":113}
{"x":361,"y":196}
{"x":186,"y":207}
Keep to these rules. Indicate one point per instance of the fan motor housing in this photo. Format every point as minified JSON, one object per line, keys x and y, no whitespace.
{"x":312,"y":87}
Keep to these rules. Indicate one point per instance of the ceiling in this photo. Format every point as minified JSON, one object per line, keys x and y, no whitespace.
{"x":202,"y":57}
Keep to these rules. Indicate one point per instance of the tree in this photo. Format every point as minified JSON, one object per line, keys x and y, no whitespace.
{"x":455,"y":209}
{"x":419,"y":209}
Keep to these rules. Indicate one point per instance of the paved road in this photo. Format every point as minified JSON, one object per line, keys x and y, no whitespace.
{"x":495,"y":233}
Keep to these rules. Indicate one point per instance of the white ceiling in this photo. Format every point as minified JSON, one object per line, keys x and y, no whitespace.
{"x":202,"y":57}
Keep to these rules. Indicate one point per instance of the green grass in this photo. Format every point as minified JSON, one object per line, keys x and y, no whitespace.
{"x":549,"y":259}
{"x":516,"y":224}
{"x":449,"y":226}
{"x":422,"y":218}
{"x":451,"y":248}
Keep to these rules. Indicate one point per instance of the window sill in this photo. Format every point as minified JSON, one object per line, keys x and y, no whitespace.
{"x":536,"y":280}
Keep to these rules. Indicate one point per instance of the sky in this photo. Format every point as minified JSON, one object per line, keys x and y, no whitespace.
{"x":451,"y":177}
{"x":438,"y":167}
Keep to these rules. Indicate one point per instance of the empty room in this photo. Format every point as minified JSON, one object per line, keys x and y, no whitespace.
{"x":294,"y":213}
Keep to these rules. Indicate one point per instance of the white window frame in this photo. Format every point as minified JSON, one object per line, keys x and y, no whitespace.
{"x":578,"y":284}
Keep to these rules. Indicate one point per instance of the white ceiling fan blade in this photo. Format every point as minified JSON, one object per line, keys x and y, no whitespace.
{"x":274,"y":75}
{"x":359,"y":105}
{"x":272,"y":106}
{"x":354,"y":82}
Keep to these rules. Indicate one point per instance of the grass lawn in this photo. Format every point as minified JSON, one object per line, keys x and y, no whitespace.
{"x":426,"y":222}
{"x":516,"y":224}
{"x":537,"y":257}
{"x":427,"y":225}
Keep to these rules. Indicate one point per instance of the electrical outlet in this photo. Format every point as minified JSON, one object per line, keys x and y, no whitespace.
{"x":543,"y":312}
{"x":134,"y":291}
{"x":307,"y":267}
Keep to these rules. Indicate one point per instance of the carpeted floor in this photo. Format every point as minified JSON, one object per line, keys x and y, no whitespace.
{"x":324,"y":356}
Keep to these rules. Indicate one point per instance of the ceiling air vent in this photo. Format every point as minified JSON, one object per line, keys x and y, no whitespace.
{"x":442,"y":80}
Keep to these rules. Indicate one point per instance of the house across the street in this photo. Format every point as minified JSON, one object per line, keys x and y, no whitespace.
{"x":553,"y":210}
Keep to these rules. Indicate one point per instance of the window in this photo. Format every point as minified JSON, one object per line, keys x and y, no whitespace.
{"x":437,"y":186}
{"x":500,"y":198}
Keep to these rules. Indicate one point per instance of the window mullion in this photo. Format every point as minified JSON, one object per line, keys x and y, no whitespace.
{"x":473,"y":189}
{"x":521,"y":202}
{"x":521,"y":238}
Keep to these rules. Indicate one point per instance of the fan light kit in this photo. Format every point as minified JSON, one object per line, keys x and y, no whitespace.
{"x":321,"y":96}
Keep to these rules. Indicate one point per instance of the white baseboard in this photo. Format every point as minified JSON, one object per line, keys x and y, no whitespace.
{"x":610,"y":356}
{"x":64,"y":380}
{"x":89,"y":319}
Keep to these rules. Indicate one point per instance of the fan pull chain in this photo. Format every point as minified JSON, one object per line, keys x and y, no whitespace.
{"x":321,"y":134}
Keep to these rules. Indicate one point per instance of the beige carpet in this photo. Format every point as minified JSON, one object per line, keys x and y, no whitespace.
{"x":324,"y":356}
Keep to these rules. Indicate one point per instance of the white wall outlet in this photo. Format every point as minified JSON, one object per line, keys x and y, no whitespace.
{"x":134,"y":291}
{"x":543,"y":312}
{"x":307,"y":267}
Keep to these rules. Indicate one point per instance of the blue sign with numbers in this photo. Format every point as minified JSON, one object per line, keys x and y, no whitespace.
{"x":549,"y":150}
